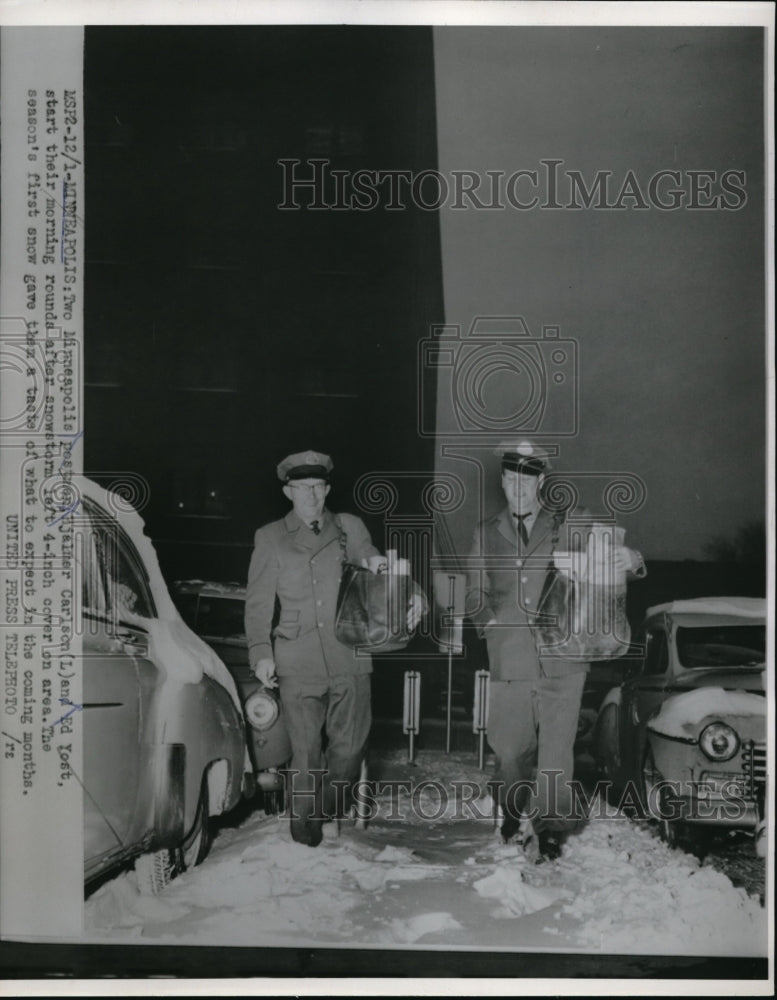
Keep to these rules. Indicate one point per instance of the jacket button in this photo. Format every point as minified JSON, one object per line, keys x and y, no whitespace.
{"x":527,"y":600}
{"x":524,"y":579}
{"x":319,"y":603}
{"x":320,"y":624}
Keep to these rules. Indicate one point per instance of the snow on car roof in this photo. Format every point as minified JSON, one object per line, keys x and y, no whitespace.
{"x":680,"y":715}
{"x":184,"y":654}
{"x":738,"y":607}
{"x":210,"y":588}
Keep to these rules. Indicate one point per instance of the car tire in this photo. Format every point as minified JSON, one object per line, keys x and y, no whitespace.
{"x":155,"y":870}
{"x":197,"y":843}
{"x":671,"y":831}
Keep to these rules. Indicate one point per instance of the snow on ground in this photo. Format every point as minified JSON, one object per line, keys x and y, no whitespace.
{"x":431,"y":871}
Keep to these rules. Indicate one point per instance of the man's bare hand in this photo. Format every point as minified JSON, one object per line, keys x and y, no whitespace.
{"x":625,"y":560}
{"x":264,"y":671}
{"x":415,"y":610}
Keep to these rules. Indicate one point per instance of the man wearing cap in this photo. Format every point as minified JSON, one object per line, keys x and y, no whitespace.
{"x":323,"y":685}
{"x":534,"y":699}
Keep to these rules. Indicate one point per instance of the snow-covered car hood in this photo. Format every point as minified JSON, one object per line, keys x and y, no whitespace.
{"x":733,"y":679}
{"x":734,"y":607}
{"x":681,"y":715}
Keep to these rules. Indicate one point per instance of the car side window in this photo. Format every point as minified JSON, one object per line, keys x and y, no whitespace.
{"x":92,"y":590}
{"x":131,"y":589}
{"x":657,"y":653}
{"x":124,"y":576}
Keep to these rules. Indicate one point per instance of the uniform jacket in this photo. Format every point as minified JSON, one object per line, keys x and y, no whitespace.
{"x":505,"y":582}
{"x":299,"y":571}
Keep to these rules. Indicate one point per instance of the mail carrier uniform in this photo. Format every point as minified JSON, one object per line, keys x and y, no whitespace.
{"x":534,"y":699}
{"x":534,"y":696}
{"x":324,"y":686}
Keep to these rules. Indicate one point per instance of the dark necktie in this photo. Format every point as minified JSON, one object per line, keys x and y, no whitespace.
{"x":519,"y":520}
{"x":315,"y":527}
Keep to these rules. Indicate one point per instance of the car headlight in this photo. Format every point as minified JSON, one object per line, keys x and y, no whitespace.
{"x":261,"y":710}
{"x":719,"y":741}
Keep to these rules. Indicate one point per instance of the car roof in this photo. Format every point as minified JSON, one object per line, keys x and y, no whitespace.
{"x":713,"y":611}
{"x":210,"y":588}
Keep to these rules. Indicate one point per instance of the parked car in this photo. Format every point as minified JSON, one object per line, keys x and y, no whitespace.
{"x":216,"y":613}
{"x":163,"y":730}
{"x":684,"y":733}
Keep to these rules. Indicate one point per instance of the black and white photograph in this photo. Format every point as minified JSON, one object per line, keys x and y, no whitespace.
{"x":387,"y":455}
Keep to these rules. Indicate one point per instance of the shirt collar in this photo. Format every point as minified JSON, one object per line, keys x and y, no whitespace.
{"x":294,"y":522}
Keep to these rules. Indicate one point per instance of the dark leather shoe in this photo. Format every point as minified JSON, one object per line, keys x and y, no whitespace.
{"x":509,"y":828}
{"x":550,"y":844}
{"x":307,"y":832}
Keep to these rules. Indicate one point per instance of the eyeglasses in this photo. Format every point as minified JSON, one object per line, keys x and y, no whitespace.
{"x":310,"y":488}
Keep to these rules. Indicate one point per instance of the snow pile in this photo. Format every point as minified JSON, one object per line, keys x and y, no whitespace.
{"x":680,"y":715}
{"x":632,"y":893}
{"x":409,"y":931}
{"x":405,"y":883}
{"x":267,"y":888}
{"x":516,"y":895}
{"x":119,"y":905}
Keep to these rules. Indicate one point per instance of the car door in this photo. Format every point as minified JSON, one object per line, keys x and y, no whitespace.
{"x":642,"y":694}
{"x":118,"y":681}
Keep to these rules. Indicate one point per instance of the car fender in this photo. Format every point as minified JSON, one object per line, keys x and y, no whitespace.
{"x":673,"y":735}
{"x":169,"y":796}
{"x":683,"y":716}
{"x":203,"y":718}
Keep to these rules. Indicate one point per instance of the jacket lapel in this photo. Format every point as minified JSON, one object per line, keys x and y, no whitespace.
{"x":299,"y":534}
{"x":329,"y":532}
{"x":541,"y":528}
{"x":543,"y":525}
{"x":505,"y":527}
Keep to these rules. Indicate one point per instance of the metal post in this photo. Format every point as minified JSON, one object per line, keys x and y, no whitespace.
{"x":411,"y":709}
{"x":452,"y":642}
{"x":448,"y":707}
{"x":480,"y":713}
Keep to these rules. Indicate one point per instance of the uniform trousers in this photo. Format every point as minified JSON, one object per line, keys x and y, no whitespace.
{"x":532,"y":725}
{"x":328,"y":721}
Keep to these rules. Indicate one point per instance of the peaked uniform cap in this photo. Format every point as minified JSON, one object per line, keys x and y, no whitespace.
{"x":523,"y":456}
{"x":305,"y":465}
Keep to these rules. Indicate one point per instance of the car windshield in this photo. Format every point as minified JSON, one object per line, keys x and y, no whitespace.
{"x":722,"y":646}
{"x":215,"y":617}
{"x":221,"y":617}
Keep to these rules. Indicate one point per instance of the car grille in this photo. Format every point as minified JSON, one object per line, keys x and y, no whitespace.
{"x":754,"y":765}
